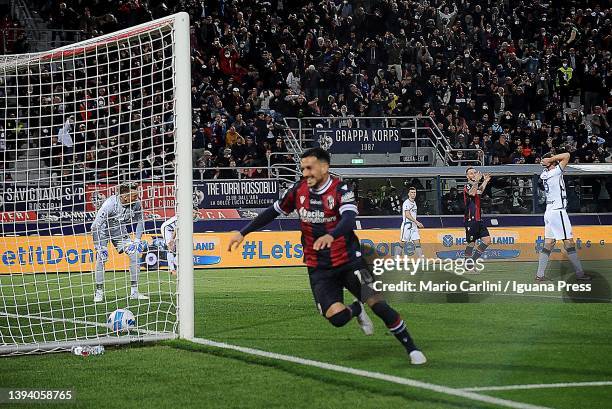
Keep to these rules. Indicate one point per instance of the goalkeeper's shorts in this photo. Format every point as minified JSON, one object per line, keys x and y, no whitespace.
{"x":120,"y":243}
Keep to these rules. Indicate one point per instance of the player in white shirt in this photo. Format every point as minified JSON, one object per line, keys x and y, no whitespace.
{"x":557,"y":225}
{"x":168,"y":232}
{"x":115,"y":214}
{"x":410,"y":225}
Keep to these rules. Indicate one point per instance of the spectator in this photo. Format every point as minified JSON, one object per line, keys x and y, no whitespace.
{"x":451,"y":202}
{"x":478,"y":71}
{"x":368,"y":205}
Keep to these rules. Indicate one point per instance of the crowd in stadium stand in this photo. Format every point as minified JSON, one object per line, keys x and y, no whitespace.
{"x":515,"y":79}
{"x":12,"y":37}
{"x":512,"y":78}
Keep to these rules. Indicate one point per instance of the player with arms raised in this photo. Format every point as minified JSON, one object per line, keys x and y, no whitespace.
{"x":327,"y":210}
{"x":474,"y":226}
{"x":410,"y":225}
{"x":557,"y":225}
{"x":110,"y":225}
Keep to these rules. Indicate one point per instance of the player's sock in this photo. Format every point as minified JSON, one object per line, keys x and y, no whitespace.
{"x":134,"y":286}
{"x":171,"y":261}
{"x":134,"y":267}
{"x":479,"y":251}
{"x":99,"y":286}
{"x":469,"y":251}
{"x":418,"y":250}
{"x":341,"y":318}
{"x":99,"y":272}
{"x":395,"y":323}
{"x":573,"y":258}
{"x":355,"y":308}
{"x":542,"y":262}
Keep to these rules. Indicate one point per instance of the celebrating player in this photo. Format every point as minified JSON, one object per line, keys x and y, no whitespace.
{"x":557,"y":225}
{"x":116,"y":213}
{"x":474,"y":226}
{"x":327,"y":209}
{"x":410,"y":225}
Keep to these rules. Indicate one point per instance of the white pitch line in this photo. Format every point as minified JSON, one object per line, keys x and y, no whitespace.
{"x":372,"y":375}
{"x":538,"y":386}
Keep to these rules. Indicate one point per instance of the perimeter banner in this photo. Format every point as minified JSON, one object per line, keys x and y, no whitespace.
{"x":29,"y":254}
{"x":234,"y":194}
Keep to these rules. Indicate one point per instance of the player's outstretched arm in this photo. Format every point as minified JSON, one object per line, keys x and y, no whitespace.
{"x":257,"y":223}
{"x":485,"y":182}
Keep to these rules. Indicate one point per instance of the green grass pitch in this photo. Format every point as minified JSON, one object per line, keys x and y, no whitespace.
{"x":498,"y":341}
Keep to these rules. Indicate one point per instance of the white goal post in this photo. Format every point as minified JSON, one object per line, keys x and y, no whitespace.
{"x":80,"y":126}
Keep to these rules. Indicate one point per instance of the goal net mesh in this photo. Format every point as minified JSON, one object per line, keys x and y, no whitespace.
{"x":76,"y":123}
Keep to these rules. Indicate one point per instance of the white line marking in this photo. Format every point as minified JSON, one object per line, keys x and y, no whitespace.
{"x":538,"y":386}
{"x":372,"y":375}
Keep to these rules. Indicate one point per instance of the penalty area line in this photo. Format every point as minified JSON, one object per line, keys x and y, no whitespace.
{"x":372,"y":375}
{"x":538,"y":386}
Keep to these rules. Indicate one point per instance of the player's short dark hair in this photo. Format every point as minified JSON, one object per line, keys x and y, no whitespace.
{"x":319,"y":153}
{"x":468,"y":169}
{"x":412,"y":188}
{"x":127,"y":187}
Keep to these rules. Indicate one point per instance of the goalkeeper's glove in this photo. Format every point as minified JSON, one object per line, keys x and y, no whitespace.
{"x":102,"y":253}
{"x":135,"y":246}
{"x":142,"y":246}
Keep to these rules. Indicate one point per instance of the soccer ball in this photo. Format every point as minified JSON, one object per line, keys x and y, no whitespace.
{"x":121,"y":320}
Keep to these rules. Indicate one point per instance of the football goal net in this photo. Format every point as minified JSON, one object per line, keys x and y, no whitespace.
{"x":95,"y":153}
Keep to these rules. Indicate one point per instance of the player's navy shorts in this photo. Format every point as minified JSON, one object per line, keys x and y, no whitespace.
{"x":328,"y":285}
{"x":474,"y":230}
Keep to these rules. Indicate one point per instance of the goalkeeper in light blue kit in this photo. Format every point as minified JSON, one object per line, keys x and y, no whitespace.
{"x":116,"y":213}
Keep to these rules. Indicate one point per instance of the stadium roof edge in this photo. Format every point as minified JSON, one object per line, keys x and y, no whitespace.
{"x":459,"y":171}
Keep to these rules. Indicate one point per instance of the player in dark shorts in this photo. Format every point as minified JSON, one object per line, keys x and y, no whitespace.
{"x":332,"y":252}
{"x":474,"y":226}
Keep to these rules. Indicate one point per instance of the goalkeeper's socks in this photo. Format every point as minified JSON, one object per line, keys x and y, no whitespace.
{"x":395,"y":323}
{"x":134,"y":286}
{"x":100,"y":287}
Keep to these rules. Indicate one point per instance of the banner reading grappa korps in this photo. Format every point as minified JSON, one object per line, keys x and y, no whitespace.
{"x":365,"y":140}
